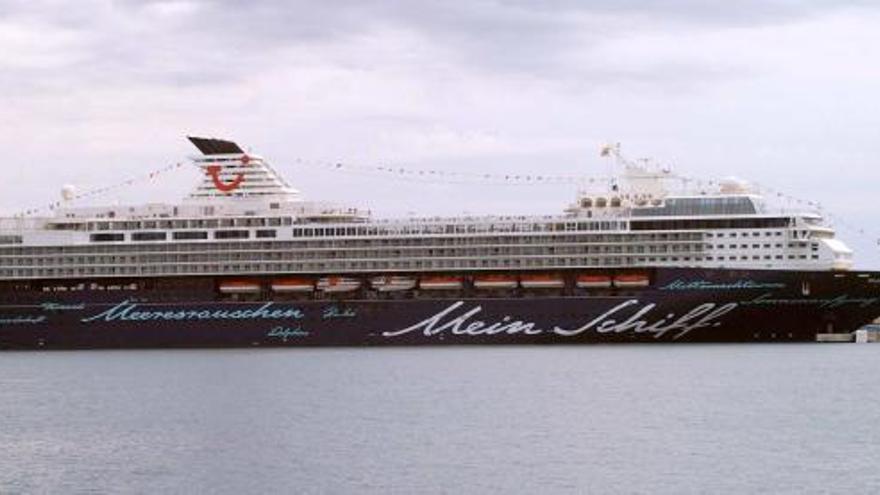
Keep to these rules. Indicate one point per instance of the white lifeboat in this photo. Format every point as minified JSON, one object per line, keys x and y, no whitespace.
{"x":293,"y":285}
{"x":239,"y":287}
{"x":393,"y":283}
{"x":338,"y":284}
{"x":495,"y":281}
{"x":593,"y":281}
{"x":632,"y":280}
{"x":541,"y":281}
{"x":440,"y":282}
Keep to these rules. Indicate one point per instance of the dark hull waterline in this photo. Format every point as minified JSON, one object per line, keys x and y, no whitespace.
{"x":681,"y":305}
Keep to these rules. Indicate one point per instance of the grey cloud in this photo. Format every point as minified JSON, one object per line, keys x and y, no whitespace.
{"x":221,"y":41}
{"x":519,"y":36}
{"x":716,"y":12}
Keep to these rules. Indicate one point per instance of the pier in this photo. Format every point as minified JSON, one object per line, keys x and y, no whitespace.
{"x":868,"y":334}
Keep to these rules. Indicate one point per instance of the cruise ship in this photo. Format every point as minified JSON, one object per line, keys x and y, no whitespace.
{"x":245,"y":260}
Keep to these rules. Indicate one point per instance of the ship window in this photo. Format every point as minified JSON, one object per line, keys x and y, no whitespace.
{"x":10,"y":239}
{"x":231,"y":234}
{"x":114,"y":237}
{"x":148,"y":236}
{"x":189,"y":235}
{"x":265,"y":233}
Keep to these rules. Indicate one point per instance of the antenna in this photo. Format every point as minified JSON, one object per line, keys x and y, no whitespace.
{"x":616,"y":163}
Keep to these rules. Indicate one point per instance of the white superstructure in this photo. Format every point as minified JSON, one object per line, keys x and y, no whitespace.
{"x":243,"y":218}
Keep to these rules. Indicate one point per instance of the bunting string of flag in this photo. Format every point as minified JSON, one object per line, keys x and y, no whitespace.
{"x":398,"y":172}
{"x":101,"y":191}
{"x":449,"y":176}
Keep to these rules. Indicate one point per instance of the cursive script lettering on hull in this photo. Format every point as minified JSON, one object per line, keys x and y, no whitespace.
{"x":686,"y":285}
{"x":129,"y":311}
{"x":630,"y":316}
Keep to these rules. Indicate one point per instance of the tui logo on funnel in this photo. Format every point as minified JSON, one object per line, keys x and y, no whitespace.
{"x":213,"y":172}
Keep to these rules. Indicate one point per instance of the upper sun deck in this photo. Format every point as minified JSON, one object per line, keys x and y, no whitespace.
{"x":240,"y":189}
{"x":236,"y":183}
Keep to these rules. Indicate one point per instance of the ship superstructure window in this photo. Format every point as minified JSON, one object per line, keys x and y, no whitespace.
{"x":231,"y":234}
{"x":66,"y":226}
{"x":149,"y":236}
{"x":733,"y":205}
{"x":10,"y":239}
{"x":109,"y":237}
{"x":192,"y":235}
{"x":719,"y":223}
{"x":265,"y":234}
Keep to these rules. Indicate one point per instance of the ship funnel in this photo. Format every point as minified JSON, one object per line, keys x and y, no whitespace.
{"x":211,"y":146}
{"x":230,"y":172}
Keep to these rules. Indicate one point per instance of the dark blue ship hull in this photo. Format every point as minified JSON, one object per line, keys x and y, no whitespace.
{"x":680,"y":305}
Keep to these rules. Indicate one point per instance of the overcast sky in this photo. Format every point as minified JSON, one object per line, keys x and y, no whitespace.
{"x":783,"y":93}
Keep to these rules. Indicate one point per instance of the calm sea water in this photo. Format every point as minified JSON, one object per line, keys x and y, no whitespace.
{"x":597,"y":419}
